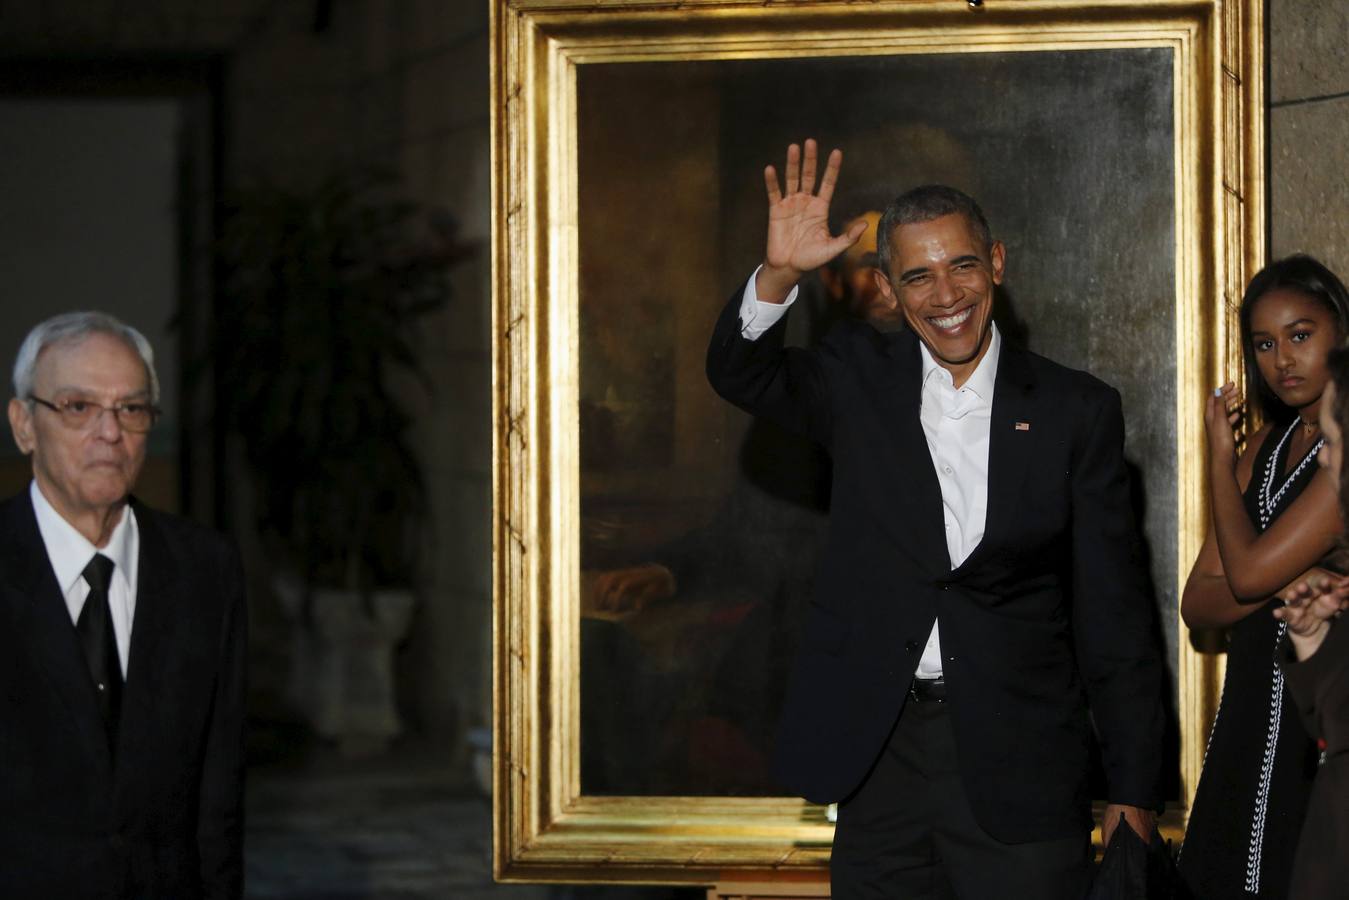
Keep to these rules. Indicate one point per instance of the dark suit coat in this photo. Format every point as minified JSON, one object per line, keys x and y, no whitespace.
{"x":164,"y":820}
{"x":1320,"y":688}
{"x":1051,"y":608}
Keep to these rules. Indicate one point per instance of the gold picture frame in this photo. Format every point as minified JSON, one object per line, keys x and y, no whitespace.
{"x":546,"y":828}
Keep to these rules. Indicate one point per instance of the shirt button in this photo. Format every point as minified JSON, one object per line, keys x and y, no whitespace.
{"x":946,"y":469}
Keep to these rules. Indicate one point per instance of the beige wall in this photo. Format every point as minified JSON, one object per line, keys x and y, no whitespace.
{"x":1309,"y":130}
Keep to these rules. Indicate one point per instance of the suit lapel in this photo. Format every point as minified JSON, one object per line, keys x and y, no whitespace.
{"x":900,"y":398}
{"x":42,"y":620}
{"x":1011,"y":445}
{"x":151,"y":631}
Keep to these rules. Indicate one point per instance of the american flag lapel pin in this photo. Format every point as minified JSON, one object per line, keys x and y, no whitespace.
{"x":1022,"y":426}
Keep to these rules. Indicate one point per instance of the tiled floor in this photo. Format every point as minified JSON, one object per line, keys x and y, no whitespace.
{"x":398,"y":827}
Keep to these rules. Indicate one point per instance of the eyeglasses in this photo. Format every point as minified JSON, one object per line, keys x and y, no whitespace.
{"x":78,"y":413}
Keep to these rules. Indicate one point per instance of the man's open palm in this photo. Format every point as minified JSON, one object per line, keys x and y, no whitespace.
{"x":798,"y":221}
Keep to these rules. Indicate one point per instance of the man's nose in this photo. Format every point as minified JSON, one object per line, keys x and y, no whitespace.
{"x":107,"y":425}
{"x":945,"y":292}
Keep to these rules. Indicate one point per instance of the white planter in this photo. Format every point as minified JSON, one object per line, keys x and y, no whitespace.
{"x":341,"y":677}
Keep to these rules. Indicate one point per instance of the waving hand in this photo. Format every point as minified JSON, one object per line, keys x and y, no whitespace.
{"x":798,"y":223}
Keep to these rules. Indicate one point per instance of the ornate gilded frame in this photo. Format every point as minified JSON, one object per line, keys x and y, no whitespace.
{"x":545,"y":828}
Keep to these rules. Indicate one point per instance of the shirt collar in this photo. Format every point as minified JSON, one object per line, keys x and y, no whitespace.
{"x":980,"y":382}
{"x":70,"y":551}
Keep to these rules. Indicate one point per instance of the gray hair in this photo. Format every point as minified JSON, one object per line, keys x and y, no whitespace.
{"x":73,"y":327}
{"x":923,"y":204}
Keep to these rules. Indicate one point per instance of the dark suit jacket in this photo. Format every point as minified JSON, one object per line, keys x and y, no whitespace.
{"x":1049,"y":610}
{"x":164,"y":818}
{"x":1320,"y":688}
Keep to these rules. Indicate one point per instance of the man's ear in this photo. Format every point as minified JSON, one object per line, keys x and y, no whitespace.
{"x":887,"y":292}
{"x":21,"y":423}
{"x":997,"y":257}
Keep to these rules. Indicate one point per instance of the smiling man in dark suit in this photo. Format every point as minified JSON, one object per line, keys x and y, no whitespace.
{"x":122,"y":637}
{"x":980,"y":585}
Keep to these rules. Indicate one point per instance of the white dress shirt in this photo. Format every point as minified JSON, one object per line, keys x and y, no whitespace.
{"x":756,"y":317}
{"x":956,"y":424}
{"x":69,"y":553}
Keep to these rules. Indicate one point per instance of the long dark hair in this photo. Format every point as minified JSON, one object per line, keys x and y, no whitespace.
{"x":1300,"y":273}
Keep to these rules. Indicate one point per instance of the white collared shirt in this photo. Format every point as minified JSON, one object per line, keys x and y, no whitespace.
{"x":956,"y":423}
{"x":69,"y":553}
{"x":756,"y":317}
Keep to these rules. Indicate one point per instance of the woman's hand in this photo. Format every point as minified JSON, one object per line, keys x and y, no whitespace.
{"x":1309,"y":608}
{"x":1222,"y":414}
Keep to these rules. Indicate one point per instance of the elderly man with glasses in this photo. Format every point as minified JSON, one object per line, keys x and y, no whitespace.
{"x":122,"y":635}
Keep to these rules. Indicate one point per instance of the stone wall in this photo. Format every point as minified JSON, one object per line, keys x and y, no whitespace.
{"x":1309,"y":130}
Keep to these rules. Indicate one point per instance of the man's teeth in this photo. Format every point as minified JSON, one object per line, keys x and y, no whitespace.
{"x":953,"y":321}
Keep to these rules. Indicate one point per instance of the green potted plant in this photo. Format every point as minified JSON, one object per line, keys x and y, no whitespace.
{"x":320,"y":294}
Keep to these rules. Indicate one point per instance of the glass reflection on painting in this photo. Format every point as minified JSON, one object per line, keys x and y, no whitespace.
{"x":700,"y":528}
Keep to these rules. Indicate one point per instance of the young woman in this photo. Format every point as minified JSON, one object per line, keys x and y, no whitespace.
{"x":1275,"y":519}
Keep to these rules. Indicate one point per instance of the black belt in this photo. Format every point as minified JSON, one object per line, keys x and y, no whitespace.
{"x":928,"y":690}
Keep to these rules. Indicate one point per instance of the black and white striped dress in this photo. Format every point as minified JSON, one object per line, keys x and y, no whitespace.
{"x":1260,"y":763}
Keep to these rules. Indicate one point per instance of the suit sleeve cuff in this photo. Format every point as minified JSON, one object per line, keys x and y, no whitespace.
{"x":756,"y":317}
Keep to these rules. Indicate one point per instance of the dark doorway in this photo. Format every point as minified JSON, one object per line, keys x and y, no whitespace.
{"x":110,"y":178}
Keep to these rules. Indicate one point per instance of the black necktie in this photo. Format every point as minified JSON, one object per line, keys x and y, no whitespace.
{"x":100,"y":643}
